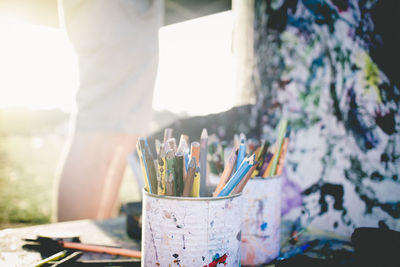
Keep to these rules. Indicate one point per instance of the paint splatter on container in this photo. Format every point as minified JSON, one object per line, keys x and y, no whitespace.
{"x":179,"y":231}
{"x":261,"y":220}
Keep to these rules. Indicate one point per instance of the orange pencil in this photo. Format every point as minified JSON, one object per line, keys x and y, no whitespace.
{"x":226,"y":174}
{"x":274,"y":151}
{"x":101,"y":249}
{"x":281,"y":161}
{"x":195,"y":151}
{"x":268,"y":170}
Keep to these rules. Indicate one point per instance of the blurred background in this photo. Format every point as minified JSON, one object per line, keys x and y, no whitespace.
{"x":39,"y":79}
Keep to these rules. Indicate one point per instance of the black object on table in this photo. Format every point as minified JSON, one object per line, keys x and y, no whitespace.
{"x":133,"y":211}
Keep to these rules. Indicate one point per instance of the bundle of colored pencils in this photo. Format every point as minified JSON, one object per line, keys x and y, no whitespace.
{"x":178,"y":169}
{"x":271,"y":159}
{"x":268,"y":160}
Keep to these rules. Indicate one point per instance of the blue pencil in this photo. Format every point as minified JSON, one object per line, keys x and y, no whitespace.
{"x":241,"y":151}
{"x":186,"y":161}
{"x":237,"y":176}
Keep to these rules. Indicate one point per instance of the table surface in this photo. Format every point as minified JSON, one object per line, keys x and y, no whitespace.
{"x":109,"y":232}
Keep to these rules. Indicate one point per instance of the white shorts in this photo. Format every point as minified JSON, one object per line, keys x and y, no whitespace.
{"x":117,"y":46}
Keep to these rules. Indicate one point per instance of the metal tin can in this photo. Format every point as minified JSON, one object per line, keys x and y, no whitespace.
{"x":184,"y":231}
{"x":261,"y":219}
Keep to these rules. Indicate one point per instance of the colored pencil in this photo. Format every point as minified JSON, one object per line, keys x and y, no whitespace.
{"x":101,"y":249}
{"x":196,"y":184}
{"x":281,"y":161}
{"x":183,"y":144}
{"x":162,"y":171}
{"x":54,"y":257}
{"x":179,"y":173}
{"x":171,"y":185}
{"x":226,"y":174}
{"x":150,"y":167}
{"x":167,"y":135}
{"x":172,"y":144}
{"x":241,"y":151}
{"x":187,"y":191}
{"x":238,"y":176}
{"x":203,"y":162}
{"x":143,"y":166}
{"x":239,"y":188}
{"x":195,"y":151}
{"x":157,"y":146}
{"x":281,"y":136}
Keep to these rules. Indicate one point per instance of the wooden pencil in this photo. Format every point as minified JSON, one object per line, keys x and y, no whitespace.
{"x":179,"y":173}
{"x":195,"y":151}
{"x":239,"y":188}
{"x":171,"y":185}
{"x":151,"y":170}
{"x":187,"y":191}
{"x":226,"y":174}
{"x":162,"y":171}
{"x":282,"y":156}
{"x":238,"y":176}
{"x":196,"y":184}
{"x":203,"y":162}
{"x":143,"y":166}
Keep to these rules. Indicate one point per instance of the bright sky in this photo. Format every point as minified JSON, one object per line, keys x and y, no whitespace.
{"x":38,"y":68}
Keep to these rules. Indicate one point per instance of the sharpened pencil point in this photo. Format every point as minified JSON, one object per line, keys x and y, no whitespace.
{"x":204,"y":133}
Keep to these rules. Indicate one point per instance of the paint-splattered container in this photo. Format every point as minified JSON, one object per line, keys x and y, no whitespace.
{"x":261,"y":219}
{"x":180,"y":231}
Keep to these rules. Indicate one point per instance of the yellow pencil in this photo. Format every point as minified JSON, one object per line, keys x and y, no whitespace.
{"x":196,"y":184}
{"x":140,"y":155}
{"x":162,"y":173}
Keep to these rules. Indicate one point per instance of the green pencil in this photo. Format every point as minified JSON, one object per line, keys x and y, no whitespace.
{"x":171,"y":163}
{"x":179,"y":173}
{"x":54,"y":257}
{"x":281,"y":136}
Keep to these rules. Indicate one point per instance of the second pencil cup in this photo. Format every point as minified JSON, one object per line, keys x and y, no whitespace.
{"x":261,"y":219}
{"x":178,"y":231}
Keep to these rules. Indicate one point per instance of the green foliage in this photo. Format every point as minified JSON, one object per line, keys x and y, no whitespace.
{"x":30,"y":145}
{"x":27,"y":167}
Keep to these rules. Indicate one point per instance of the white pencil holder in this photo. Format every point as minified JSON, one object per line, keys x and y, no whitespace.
{"x":261,"y":210}
{"x":184,"y":231}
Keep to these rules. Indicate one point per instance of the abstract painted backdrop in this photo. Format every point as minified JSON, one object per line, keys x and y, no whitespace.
{"x":327,"y":67}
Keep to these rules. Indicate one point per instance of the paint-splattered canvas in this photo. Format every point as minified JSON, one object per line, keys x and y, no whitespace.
{"x":320,"y":63}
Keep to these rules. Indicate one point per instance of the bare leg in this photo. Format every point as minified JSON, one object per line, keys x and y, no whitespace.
{"x":92,"y":173}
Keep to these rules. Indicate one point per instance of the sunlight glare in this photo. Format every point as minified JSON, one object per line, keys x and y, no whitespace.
{"x":196,"y":69}
{"x":38,"y":67}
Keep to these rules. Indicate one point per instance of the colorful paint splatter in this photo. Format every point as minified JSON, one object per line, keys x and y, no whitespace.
{"x":317,"y":64}
{"x":217,"y":260}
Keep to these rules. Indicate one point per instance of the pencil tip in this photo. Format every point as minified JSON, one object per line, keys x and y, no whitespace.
{"x":204,"y":133}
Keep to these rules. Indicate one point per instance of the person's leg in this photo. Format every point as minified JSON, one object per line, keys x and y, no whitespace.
{"x":92,"y":174}
{"x":117,"y":46}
